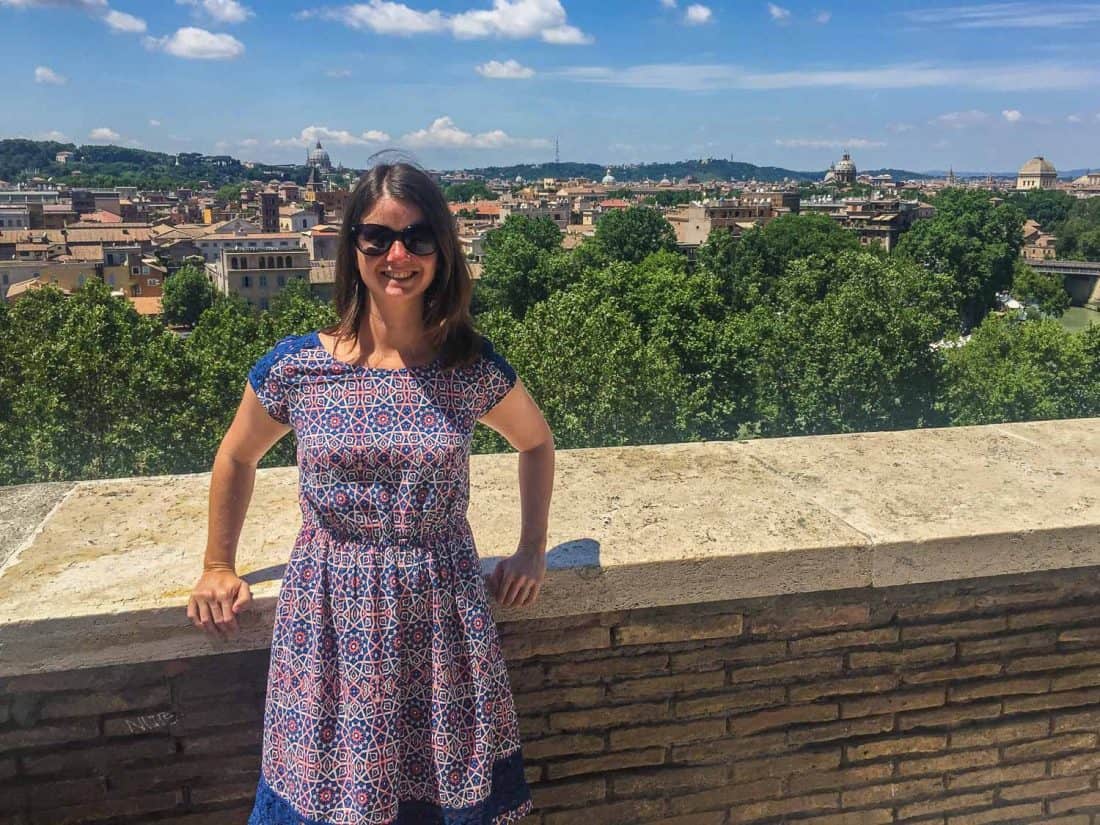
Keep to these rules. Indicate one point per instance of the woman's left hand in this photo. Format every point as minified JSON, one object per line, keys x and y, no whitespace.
{"x":516,"y":580}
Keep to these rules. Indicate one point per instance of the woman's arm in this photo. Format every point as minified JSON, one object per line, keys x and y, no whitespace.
{"x":517,"y":579}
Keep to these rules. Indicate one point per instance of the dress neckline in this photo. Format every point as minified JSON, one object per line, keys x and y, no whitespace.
{"x":316,"y":338}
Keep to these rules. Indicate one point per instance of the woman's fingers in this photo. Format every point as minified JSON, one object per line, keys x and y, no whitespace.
{"x":206,"y":619}
{"x":229,"y":618}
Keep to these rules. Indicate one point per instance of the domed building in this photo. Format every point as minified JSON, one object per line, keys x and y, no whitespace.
{"x":608,"y":179}
{"x":844,"y":171}
{"x":318,"y":158}
{"x":1037,"y":173}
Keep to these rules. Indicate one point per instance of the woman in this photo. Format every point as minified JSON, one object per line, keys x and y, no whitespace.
{"x":387,"y":695}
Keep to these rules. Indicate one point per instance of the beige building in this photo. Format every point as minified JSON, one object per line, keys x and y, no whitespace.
{"x":1038,"y":245}
{"x":693,"y":222}
{"x":257,"y":275}
{"x":1037,"y":173}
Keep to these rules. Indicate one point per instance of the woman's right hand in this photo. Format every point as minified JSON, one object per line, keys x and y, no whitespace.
{"x":218,"y":597}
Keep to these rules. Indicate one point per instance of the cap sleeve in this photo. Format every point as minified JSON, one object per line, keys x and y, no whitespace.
{"x":269,"y":382}
{"x":495,"y":378}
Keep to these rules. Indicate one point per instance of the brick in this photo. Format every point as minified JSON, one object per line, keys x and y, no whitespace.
{"x":668,"y":781}
{"x":726,"y":795}
{"x":614,"y":667}
{"x":809,"y":619}
{"x":99,"y":757}
{"x":1081,"y":658}
{"x":892,"y":703}
{"x":1005,"y":645}
{"x":566,"y":745}
{"x":840,"y":730}
{"x":800,"y":669}
{"x":607,"y":762}
{"x":704,"y":818}
{"x":528,"y":645}
{"x":948,"y":716}
{"x":1001,"y":687}
{"x":728,"y":749}
{"x":609,"y":716}
{"x":7,"y":769}
{"x":99,"y":679}
{"x":572,"y":697}
{"x":528,"y":677}
{"x":530,"y":726}
{"x":951,"y":673}
{"x":181,"y":772}
{"x":729,"y":701}
{"x":879,"y":816}
{"x":59,"y":706}
{"x":58,"y":793}
{"x":1053,"y":746}
{"x":75,"y":731}
{"x":791,"y":765}
{"x":617,"y":813}
{"x":222,"y":741}
{"x":1043,"y":789}
{"x":946,"y":804}
{"x":711,"y":657}
{"x":1067,"y":614}
{"x":227,"y":792}
{"x":679,"y":629}
{"x":781,"y":718}
{"x":835,"y":780}
{"x":1015,"y":731}
{"x":1064,"y":699}
{"x":895,"y":746}
{"x":877,"y":683}
{"x":976,"y":603}
{"x":1010,"y":813}
{"x":103,"y":809}
{"x":998,"y":775}
{"x":138,"y":724}
{"x":1080,"y":635}
{"x":948,"y":762}
{"x":779,"y":807}
{"x":569,"y":794}
{"x":923,"y":655}
{"x":675,"y":734}
{"x":953,"y":630}
{"x":1074,"y":803}
{"x":1079,"y":720}
{"x":189,"y":719}
{"x":660,"y":687}
{"x":845,"y":638}
{"x":1078,"y":763}
{"x":1082,"y":678}
{"x":891,"y":792}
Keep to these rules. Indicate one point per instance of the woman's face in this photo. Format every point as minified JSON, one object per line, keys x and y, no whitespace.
{"x":398,"y":275}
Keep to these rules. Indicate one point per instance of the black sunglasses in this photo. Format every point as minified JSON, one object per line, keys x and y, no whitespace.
{"x":375,"y":239}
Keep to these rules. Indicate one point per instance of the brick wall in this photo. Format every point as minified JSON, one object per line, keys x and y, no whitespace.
{"x":960,"y":703}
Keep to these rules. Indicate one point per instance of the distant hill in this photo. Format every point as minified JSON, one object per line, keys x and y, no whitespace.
{"x":702,"y":170}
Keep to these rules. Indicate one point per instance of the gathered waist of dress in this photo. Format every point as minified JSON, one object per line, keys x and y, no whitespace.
{"x":387,"y":535}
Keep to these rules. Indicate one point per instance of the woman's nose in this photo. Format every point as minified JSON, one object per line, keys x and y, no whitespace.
{"x":397,"y":252}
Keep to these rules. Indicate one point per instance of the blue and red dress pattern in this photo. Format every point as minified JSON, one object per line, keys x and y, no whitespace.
{"x":388,"y":701}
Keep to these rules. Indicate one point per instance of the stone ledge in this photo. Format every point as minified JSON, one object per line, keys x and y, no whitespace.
{"x":104,"y":575}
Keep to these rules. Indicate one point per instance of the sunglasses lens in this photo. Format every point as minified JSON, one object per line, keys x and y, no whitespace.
{"x":420,"y":240}
{"x":375,"y":240}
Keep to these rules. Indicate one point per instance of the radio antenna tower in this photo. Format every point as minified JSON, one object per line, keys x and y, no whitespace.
{"x":557,"y":153}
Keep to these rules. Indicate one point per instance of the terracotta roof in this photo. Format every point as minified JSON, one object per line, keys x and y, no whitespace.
{"x":146,"y":305}
{"x":614,"y":203}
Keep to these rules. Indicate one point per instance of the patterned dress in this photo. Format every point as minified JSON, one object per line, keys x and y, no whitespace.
{"x":388,"y":701}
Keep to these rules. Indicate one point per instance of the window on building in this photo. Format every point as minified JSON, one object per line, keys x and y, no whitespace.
{"x":280,"y":280}
{"x":263,"y":280}
{"x":153,"y":282}
{"x":110,"y":280}
{"x":270,"y":261}
{"x":246,"y":281}
{"x":262,"y":264}
{"x":80,"y":281}
{"x":263,"y":303}
{"x":283,"y":243}
{"x":233,"y":262}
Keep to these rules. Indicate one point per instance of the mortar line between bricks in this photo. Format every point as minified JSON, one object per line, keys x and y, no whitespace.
{"x":794,"y":491}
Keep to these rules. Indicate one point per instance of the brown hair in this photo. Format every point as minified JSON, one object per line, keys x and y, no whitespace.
{"x":446,"y":315}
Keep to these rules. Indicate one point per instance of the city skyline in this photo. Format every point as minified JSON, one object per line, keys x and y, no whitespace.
{"x":918,"y":86}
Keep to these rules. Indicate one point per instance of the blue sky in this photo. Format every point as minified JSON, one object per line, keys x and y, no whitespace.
{"x":915,"y":85}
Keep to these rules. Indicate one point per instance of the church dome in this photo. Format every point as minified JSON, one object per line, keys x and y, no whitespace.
{"x":845,"y":164}
{"x":1038,"y":165}
{"x":319,"y":157}
{"x":608,"y":178}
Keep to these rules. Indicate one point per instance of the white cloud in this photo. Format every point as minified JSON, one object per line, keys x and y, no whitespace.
{"x":823,"y":17}
{"x":508,"y":70}
{"x":222,"y":11}
{"x":154,"y":122}
{"x":1010,"y":16}
{"x":197,"y":44}
{"x":248,"y":142}
{"x":103,"y":134}
{"x":338,"y":73}
{"x":816,"y":143}
{"x":341,"y":137}
{"x":512,"y":19}
{"x":120,"y":21}
{"x":960,"y":120}
{"x":1073,"y":118}
{"x":899,"y":128}
{"x":443,"y":133}
{"x":1011,"y":115}
{"x":55,"y":135}
{"x":668,"y":4}
{"x":703,"y":77}
{"x":778,"y":13}
{"x":697,"y":15}
{"x":44,"y":74}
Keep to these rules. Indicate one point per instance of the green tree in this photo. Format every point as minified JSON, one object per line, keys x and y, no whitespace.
{"x":632,"y":234}
{"x":972,"y":240}
{"x":523,"y":264}
{"x":187,"y":294}
{"x":1012,"y":370}
{"x":1046,"y":291}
